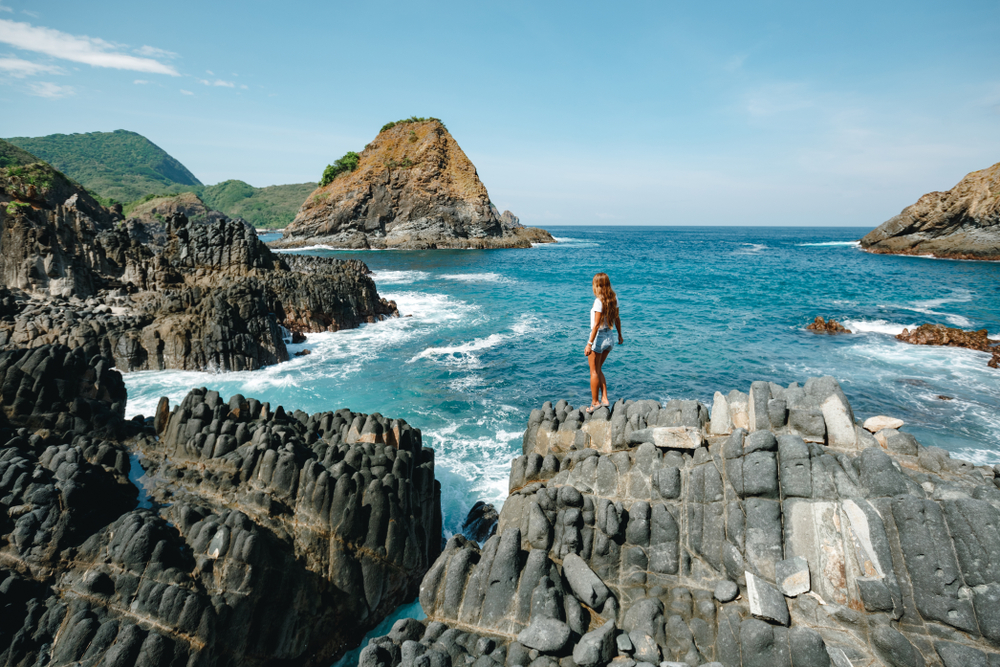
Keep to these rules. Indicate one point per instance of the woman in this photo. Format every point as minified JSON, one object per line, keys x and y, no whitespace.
{"x":602,"y":315}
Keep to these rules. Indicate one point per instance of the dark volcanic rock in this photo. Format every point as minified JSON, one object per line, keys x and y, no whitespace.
{"x":962,"y":223}
{"x":827,"y":326}
{"x":213,"y":297}
{"x":413,"y":188}
{"x":678,"y":554}
{"x":279,"y":539}
{"x":938,"y":334}
{"x":481,"y":521}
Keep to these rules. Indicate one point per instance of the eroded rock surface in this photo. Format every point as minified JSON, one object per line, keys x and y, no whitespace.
{"x":213,"y":297}
{"x":938,"y":334}
{"x":789,"y":537}
{"x":272,"y":538}
{"x":414,"y":187}
{"x":827,"y":326}
{"x":962,"y":223}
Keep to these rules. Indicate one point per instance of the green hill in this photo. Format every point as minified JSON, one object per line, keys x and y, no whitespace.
{"x":12,"y":156}
{"x":273,"y":206}
{"x":129,"y":168}
{"x":117,"y":165}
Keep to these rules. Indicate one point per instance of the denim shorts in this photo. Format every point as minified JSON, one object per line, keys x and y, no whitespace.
{"x":603,"y":341}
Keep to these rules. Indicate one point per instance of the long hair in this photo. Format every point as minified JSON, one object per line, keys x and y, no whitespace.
{"x":609,"y":300}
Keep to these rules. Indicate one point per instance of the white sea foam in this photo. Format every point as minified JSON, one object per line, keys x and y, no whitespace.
{"x":928,"y":307}
{"x":877,"y":326}
{"x":465,"y":354}
{"x":478,"y":278}
{"x":306,"y":248}
{"x":853,"y":244}
{"x":484,"y":460}
{"x":753,"y":247}
{"x":398,"y":277}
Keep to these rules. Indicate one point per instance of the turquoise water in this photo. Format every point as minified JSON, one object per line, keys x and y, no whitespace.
{"x":488,"y":335}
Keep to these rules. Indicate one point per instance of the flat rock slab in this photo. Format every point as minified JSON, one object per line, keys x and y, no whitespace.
{"x":876,"y":424}
{"x":669,"y":437}
{"x":766,"y":602}
{"x":792,"y":575}
{"x":546,"y":635}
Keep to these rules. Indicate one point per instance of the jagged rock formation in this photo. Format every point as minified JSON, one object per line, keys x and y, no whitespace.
{"x":413,"y":188}
{"x":774,"y":532}
{"x":185,"y":295}
{"x":938,"y":334}
{"x":962,"y":223}
{"x":273,"y":538}
{"x":830,"y":326}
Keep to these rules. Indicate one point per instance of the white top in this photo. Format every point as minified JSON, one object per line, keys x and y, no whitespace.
{"x":595,"y":312}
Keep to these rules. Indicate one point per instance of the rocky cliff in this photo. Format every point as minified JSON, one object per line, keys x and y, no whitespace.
{"x":171,"y":294}
{"x":260,"y":537}
{"x":775,"y":531}
{"x":413,"y":188}
{"x":962,"y":223}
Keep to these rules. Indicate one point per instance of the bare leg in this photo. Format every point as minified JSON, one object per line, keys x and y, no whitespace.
{"x":603,"y":382}
{"x":595,"y":378}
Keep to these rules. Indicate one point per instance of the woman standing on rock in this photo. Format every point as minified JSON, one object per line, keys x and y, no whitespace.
{"x":603,"y":313}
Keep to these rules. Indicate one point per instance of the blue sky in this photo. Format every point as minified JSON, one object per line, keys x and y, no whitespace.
{"x":782,"y":113}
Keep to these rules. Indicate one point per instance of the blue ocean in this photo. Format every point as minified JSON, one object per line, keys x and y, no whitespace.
{"x":487,"y":335}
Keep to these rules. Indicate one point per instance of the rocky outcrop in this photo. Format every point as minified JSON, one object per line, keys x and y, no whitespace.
{"x":962,"y":223}
{"x":260,"y":537}
{"x":938,"y":334}
{"x":413,"y":188}
{"x":774,"y":531}
{"x":187,"y":296}
{"x":830,"y":326}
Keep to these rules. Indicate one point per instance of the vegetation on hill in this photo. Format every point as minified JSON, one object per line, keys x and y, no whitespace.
{"x":273,"y":206}
{"x":120,"y":165}
{"x":12,"y":156}
{"x":344,"y":165}
{"x":411,"y":119}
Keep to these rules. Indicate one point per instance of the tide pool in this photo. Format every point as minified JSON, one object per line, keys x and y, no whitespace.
{"x":488,"y":335}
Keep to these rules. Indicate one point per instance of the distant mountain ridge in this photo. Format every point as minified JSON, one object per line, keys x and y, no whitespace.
{"x":128,"y":168}
{"x":119,"y":165}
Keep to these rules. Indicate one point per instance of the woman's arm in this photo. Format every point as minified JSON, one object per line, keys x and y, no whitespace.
{"x":618,"y":325}
{"x":590,"y":342}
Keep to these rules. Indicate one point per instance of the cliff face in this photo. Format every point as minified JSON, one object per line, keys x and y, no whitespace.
{"x":962,"y":223}
{"x":414,"y":187}
{"x":267,"y":538}
{"x":165,"y":293}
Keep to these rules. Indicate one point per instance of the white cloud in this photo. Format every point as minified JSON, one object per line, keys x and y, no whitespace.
{"x":51,"y":90}
{"x":244,"y":86}
{"x":30,"y":13}
{"x":18,"y":68}
{"x":4,"y":8}
{"x":153,"y":52}
{"x":217,"y":82}
{"x":209,"y":72}
{"x":140,"y":82}
{"x":186,"y":92}
{"x":81,"y":49}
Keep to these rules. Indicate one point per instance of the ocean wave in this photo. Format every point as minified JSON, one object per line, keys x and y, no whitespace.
{"x":825,"y":244}
{"x":433,"y":308}
{"x":876,"y":326}
{"x":398,"y":277}
{"x":306,"y":248}
{"x":483,"y":461}
{"x":478,"y":278}
{"x":753,"y":247}
{"x":464,"y":354}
